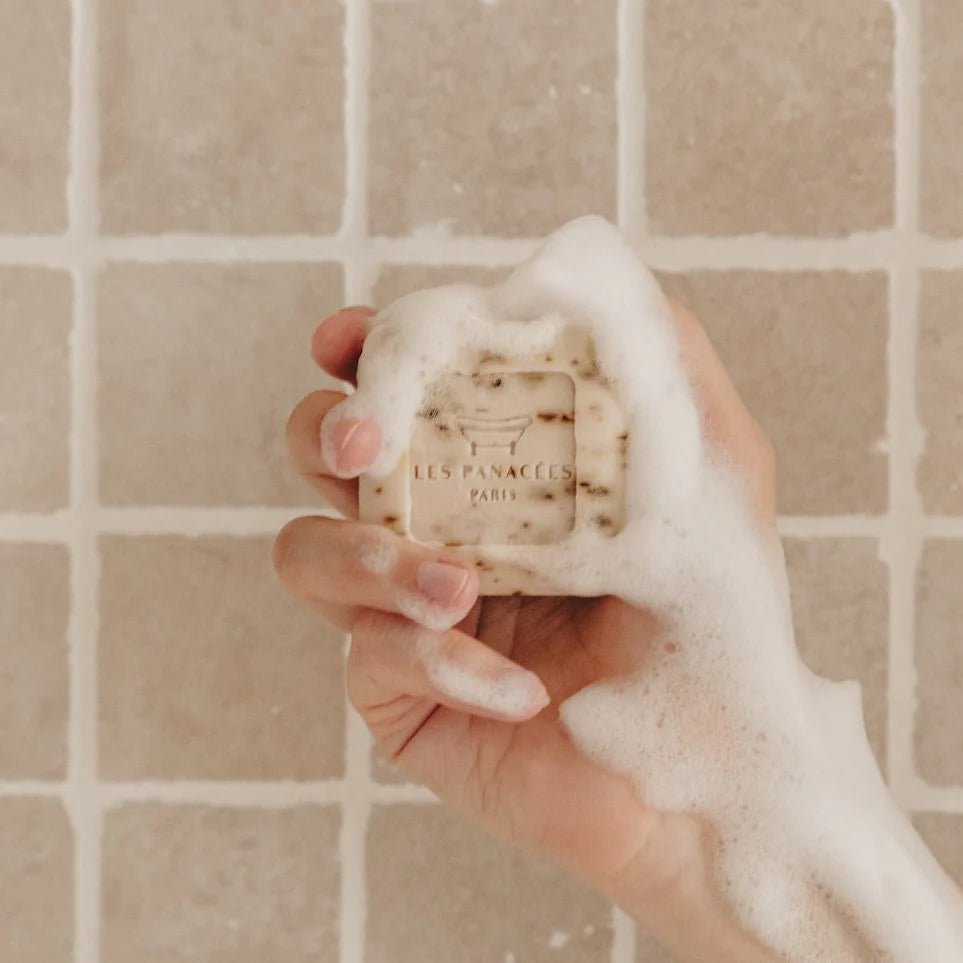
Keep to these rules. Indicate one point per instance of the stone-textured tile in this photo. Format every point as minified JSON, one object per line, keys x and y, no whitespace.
{"x":34,"y":602}
{"x":394,"y":280}
{"x":218,"y":117}
{"x":939,"y":387}
{"x":648,"y":951}
{"x":839,"y":591}
{"x":200,"y":367}
{"x":939,"y":663}
{"x":475,"y":899}
{"x":491,"y":118}
{"x":941,"y":211}
{"x":943,"y":833}
{"x":208,"y":670}
{"x":34,"y":329}
{"x":34,"y":115}
{"x":773,"y":117}
{"x":36,"y":882}
{"x":808,"y":354}
{"x":184,"y":884}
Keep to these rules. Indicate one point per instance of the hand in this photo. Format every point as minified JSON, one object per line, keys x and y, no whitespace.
{"x":466,"y":702}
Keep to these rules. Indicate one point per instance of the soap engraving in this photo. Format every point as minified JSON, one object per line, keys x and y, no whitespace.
{"x":493,"y":460}
{"x":493,"y":432}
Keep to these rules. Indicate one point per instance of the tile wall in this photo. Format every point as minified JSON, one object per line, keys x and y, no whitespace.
{"x":187,"y":188}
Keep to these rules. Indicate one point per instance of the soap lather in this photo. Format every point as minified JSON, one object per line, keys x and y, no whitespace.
{"x":509,"y":450}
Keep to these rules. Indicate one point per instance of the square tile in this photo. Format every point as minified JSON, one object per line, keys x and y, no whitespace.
{"x":183,"y":884}
{"x":939,"y":390}
{"x":200,"y":367}
{"x":36,"y":882}
{"x":807,"y":352}
{"x":941,"y":121}
{"x":943,"y":833}
{"x":648,"y":951}
{"x":466,"y":906}
{"x":35,"y":309}
{"x":939,"y":663}
{"x":34,"y":604}
{"x":840,"y":603}
{"x":215,"y":117}
{"x":491,"y":118}
{"x":763,"y":117}
{"x":34,"y":115}
{"x":394,"y":280}
{"x":208,"y":670}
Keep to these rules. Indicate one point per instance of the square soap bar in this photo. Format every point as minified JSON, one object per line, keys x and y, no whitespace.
{"x":520,"y":451}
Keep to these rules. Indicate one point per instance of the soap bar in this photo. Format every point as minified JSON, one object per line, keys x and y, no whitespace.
{"x":518,"y":451}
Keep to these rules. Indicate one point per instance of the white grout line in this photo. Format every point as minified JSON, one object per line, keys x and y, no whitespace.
{"x":832,"y":526}
{"x":356,"y":805}
{"x":631,"y":120}
{"x":386,"y":794}
{"x":271,"y":795}
{"x":943,"y":526}
{"x":82,"y":191}
{"x":902,"y":541}
{"x":31,"y":787}
{"x":623,"y":937}
{"x":858,"y":252}
{"x":922,"y":797}
{"x":633,"y":221}
{"x":266,"y":520}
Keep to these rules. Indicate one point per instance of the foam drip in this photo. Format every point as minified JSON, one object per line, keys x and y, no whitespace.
{"x":725,"y":722}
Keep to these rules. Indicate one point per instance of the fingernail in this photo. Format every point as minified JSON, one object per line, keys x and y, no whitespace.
{"x":442,"y":583}
{"x":355,"y":443}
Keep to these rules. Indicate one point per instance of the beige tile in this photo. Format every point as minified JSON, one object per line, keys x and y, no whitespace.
{"x":491,"y":118}
{"x":939,"y":663}
{"x":808,"y":354}
{"x":184,"y":884}
{"x":941,"y":133}
{"x":34,"y":115}
{"x":216,"y":117}
{"x":34,"y":602}
{"x":475,"y":899}
{"x":36,"y":882}
{"x":34,"y":328}
{"x":648,"y":951}
{"x":839,"y":591}
{"x":394,"y":280}
{"x":769,"y":117}
{"x":208,"y":670}
{"x":939,"y":388}
{"x":200,"y":366}
{"x":943,"y":833}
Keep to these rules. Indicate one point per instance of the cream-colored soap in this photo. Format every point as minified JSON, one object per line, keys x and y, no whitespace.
{"x":522,"y":451}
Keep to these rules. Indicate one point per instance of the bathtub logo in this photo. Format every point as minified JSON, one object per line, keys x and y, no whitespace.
{"x":493,"y":432}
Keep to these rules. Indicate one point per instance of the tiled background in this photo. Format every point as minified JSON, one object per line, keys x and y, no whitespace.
{"x":187,"y":188}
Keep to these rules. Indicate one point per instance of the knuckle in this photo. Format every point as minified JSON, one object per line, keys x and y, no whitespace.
{"x":310,"y":410}
{"x":288,"y":549}
{"x":766,"y":453}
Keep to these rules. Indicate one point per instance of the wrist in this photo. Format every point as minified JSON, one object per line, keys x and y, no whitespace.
{"x":668,"y":887}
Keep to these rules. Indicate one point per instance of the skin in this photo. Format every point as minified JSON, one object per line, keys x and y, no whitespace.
{"x":511,"y":769}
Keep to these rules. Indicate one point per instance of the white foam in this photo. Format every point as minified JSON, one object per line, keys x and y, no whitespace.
{"x":432,"y":616}
{"x":727,"y":722}
{"x":378,"y":556}
{"x":509,"y":694}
